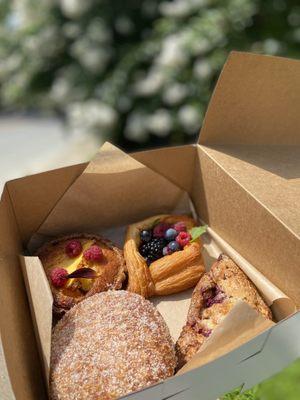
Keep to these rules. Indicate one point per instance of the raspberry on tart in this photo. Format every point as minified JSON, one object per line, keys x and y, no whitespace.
{"x":63,"y":256}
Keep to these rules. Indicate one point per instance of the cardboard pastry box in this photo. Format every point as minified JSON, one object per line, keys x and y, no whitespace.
{"x":243,"y":177}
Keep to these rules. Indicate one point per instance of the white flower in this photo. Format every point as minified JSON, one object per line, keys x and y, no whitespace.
{"x":91,"y":116}
{"x":174,"y":94}
{"x":136,"y":129}
{"x":202,"y":69}
{"x":101,"y":114}
{"x":172,"y":53}
{"x":10,"y":64}
{"x":45,"y":44}
{"x":60,"y":90}
{"x":75,"y":8}
{"x":271,"y":46}
{"x":79,"y":46}
{"x":177,"y":8}
{"x":181,"y":8}
{"x":151,"y":84}
{"x":190,"y":118}
{"x":201,"y":46}
{"x":13,"y":87}
{"x":160,"y":123}
{"x":95,"y":59}
{"x":98,"y":31}
{"x":22,"y":15}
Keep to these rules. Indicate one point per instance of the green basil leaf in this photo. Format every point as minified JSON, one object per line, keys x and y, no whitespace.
{"x":197,"y":231}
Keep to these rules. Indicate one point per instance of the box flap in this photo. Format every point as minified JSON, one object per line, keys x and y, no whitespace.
{"x":270,"y":173}
{"x":41,"y":191}
{"x":235,"y":200}
{"x":112,"y":181}
{"x":16,"y":331}
{"x":256,"y":101}
{"x":173,"y":170}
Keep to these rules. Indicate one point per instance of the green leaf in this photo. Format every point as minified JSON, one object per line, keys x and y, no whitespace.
{"x":197,"y":231}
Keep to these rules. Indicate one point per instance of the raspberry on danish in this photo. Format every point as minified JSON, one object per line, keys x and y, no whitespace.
{"x":80,"y":265}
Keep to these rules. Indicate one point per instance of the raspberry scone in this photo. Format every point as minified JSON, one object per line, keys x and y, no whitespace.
{"x":109,"y":345}
{"x":163,"y":255}
{"x":214,"y":296}
{"x":80,"y":265}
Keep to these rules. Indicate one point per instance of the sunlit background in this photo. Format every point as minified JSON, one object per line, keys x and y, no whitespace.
{"x":139,"y":73}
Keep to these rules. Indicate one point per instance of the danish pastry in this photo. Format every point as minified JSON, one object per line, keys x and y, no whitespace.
{"x":78,"y":266}
{"x":213,"y":298}
{"x":109,"y":345}
{"x":161,"y":257}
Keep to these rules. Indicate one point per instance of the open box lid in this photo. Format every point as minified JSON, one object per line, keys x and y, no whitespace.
{"x":255,"y":102}
{"x":252,"y":130}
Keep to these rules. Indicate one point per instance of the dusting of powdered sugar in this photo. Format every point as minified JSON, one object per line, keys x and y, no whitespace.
{"x":108,"y":345}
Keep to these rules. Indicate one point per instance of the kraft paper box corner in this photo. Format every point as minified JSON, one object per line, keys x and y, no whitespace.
{"x":244,"y":179}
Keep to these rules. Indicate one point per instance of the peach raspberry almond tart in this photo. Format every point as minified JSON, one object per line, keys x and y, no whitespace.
{"x":163,"y":255}
{"x":78,"y":266}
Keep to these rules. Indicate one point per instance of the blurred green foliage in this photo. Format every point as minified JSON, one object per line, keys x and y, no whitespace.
{"x":139,"y":71}
{"x":283,"y":386}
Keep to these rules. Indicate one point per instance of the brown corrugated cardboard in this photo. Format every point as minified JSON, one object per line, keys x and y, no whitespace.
{"x":222,"y":340}
{"x":41,"y":302}
{"x":16,"y":328}
{"x":173,"y":308}
{"x":41,"y":190}
{"x":247,"y":223}
{"x":112,"y":181}
{"x":243,"y":178}
{"x":253,"y":165}
{"x":255,"y":102}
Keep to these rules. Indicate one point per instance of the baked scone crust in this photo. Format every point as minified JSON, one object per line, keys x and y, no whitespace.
{"x":214,"y":296}
{"x":170,"y":274}
{"x":111,"y":268}
{"x":109,"y":345}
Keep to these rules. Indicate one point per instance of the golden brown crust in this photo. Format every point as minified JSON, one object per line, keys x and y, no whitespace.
{"x":111,"y":268}
{"x":108,"y":346}
{"x":214,"y":296}
{"x":170,"y":274}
